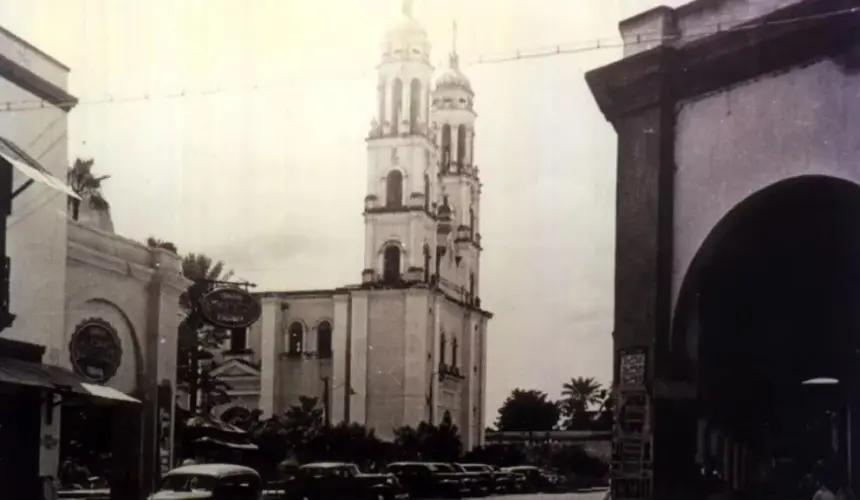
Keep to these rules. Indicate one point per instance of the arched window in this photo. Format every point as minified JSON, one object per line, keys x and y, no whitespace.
{"x":391,"y":264}
{"x":381,"y":97}
{"x":472,"y":222}
{"x":446,"y":147}
{"x":414,"y":104}
{"x":394,"y":189}
{"x":427,"y":263}
{"x":472,"y":283}
{"x":461,"y":145}
{"x":454,"y":347}
{"x":324,"y":347}
{"x":295,"y":338}
{"x":396,"y":105}
{"x":443,"y":343}
{"x":426,"y":192}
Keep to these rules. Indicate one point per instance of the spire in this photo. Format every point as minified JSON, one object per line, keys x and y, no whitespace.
{"x":406,"y":8}
{"x":454,"y":58}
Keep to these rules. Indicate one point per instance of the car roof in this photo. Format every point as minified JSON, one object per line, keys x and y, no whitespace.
{"x":326,"y":465}
{"x":214,"y":470}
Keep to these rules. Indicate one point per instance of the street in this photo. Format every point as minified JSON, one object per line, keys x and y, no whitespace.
{"x":598,"y":494}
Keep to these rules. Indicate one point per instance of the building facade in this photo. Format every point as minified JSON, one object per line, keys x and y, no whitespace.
{"x":736,"y":145}
{"x":409,"y":343}
{"x":103,"y":310}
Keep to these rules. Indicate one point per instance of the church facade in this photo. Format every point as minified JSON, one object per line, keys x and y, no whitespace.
{"x":409,"y":343}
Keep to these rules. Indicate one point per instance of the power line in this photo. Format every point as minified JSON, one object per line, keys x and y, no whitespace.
{"x":643,"y":37}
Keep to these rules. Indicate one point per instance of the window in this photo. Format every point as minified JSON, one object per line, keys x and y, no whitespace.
{"x":443,"y":343}
{"x":472,"y":283}
{"x":454,"y":347}
{"x":381,"y":97}
{"x":446,"y":147}
{"x":396,"y":105}
{"x":295,"y":338}
{"x":461,"y":145}
{"x":427,"y":190}
{"x":426,"y":263}
{"x":391,"y":264}
{"x":394,"y":189}
{"x":238,"y":339}
{"x":414,"y":104}
{"x":324,"y":346}
{"x":472,"y":222}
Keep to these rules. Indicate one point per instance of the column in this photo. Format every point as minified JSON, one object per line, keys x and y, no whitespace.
{"x":340,"y":382}
{"x":270,"y":348}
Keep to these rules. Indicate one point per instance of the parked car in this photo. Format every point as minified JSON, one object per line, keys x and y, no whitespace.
{"x":210,"y":481}
{"x":499,"y":481}
{"x":341,"y":480}
{"x":426,"y":479}
{"x":479,"y":479}
{"x":539,"y":480}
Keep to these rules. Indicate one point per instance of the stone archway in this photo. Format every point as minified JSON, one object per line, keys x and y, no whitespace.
{"x":769,"y":301}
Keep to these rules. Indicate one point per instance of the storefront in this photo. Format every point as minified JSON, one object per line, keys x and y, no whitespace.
{"x":29,"y":393}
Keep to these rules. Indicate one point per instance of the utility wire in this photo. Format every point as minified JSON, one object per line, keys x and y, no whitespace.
{"x":640,"y":38}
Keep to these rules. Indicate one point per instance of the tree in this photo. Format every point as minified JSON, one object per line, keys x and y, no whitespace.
{"x":500,"y":455}
{"x":528,"y":410}
{"x":439,"y":443}
{"x":86,"y":185}
{"x":578,"y":397}
{"x":196,"y":338}
{"x":153,"y":242}
{"x":303,"y":422}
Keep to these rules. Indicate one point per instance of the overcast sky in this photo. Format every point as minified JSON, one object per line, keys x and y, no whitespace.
{"x":263,"y":162}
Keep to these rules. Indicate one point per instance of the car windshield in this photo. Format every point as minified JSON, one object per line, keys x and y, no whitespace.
{"x":474,"y":468}
{"x":188,"y":482}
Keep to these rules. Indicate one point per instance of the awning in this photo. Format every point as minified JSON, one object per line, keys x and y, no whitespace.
{"x":57,"y":379}
{"x":28,"y":166}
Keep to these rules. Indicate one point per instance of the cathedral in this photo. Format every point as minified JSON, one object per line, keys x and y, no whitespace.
{"x":409,"y":343}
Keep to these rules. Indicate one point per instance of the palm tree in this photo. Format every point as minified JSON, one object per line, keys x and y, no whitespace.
{"x":578,"y":396}
{"x":200,"y":268}
{"x":86,"y":185}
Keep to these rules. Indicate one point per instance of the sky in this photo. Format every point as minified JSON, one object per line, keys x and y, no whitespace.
{"x":240,"y":134}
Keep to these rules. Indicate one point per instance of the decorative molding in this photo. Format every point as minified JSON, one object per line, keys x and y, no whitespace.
{"x":759,"y":47}
{"x":95,"y":347}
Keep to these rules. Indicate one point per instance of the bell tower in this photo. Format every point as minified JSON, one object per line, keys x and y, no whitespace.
{"x":453,"y":115}
{"x":401,"y":160}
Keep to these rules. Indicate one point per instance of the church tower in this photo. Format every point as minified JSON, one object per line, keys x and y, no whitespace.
{"x":398,"y":209}
{"x":453,"y":115}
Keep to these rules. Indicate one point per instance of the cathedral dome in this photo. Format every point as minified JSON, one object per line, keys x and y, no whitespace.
{"x":453,"y":77}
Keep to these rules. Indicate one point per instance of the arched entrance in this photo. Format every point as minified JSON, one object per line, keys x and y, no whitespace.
{"x":770,"y":301}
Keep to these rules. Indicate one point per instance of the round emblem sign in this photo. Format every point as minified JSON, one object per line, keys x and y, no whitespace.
{"x":95,"y":350}
{"x":230,"y":308}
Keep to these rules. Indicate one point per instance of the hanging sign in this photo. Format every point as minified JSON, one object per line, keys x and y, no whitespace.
{"x":230,"y":308}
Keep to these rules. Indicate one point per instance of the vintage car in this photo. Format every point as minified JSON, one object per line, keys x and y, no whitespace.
{"x":210,"y":481}
{"x":429,"y":480}
{"x":341,"y":480}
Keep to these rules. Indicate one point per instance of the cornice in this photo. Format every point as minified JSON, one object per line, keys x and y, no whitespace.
{"x":108,"y":263}
{"x":795,"y":35}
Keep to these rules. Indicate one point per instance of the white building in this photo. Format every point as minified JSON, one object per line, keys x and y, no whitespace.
{"x":410,"y":342}
{"x":102,"y":306}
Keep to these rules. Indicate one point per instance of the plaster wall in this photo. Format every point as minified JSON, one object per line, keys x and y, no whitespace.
{"x":731,"y":144}
{"x":386,"y":349}
{"x":36,"y":229}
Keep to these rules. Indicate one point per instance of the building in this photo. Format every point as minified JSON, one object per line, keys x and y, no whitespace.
{"x":738,"y":199}
{"x":96,"y":314}
{"x":409,"y":343}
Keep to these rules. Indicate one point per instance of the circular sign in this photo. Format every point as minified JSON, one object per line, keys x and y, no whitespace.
{"x":230,"y":308}
{"x":95,"y":350}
